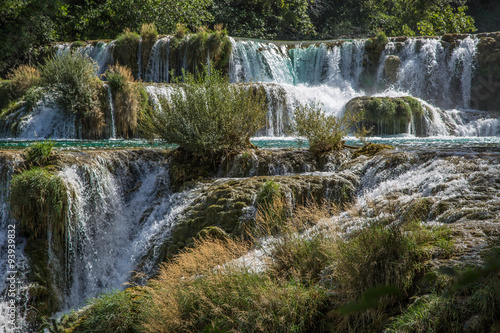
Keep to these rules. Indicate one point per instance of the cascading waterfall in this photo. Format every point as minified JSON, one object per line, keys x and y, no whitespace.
{"x":112,"y":111}
{"x":159,"y":61}
{"x":13,"y":263}
{"x":117,"y":218}
{"x":139,"y":57}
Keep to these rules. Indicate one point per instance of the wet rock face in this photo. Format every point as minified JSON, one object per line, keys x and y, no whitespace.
{"x":486,"y":85}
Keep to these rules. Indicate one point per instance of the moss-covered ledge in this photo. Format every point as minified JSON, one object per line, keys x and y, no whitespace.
{"x":231,"y":204}
{"x":389,"y":115}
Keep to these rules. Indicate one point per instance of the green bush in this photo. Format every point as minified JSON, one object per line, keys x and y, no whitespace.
{"x":207,"y":115}
{"x":72,"y":77}
{"x":39,"y":200}
{"x":325,"y":133}
{"x":39,"y":154}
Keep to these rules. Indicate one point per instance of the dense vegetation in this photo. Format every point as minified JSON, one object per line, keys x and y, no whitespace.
{"x":28,"y":25}
{"x":376,"y":279}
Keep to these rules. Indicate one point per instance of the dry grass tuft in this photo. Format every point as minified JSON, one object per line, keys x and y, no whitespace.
{"x":23,"y":78}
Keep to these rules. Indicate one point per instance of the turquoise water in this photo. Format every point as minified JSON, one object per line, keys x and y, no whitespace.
{"x":271,"y":142}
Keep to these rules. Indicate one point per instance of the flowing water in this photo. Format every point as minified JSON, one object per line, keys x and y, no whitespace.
{"x":122,"y":206}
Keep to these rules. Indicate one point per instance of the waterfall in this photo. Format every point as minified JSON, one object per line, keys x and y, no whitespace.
{"x":47,"y":121}
{"x":159,"y":61}
{"x":112,"y":112}
{"x":13,"y":277}
{"x":139,"y":57}
{"x":117,"y":218}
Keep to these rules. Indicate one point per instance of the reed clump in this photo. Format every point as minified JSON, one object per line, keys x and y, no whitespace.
{"x":127,"y":99}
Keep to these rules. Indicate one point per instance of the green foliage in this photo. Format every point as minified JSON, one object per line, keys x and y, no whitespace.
{"x":72,"y":77}
{"x":39,"y":154}
{"x":325,"y":133}
{"x":398,"y":17}
{"x":288,"y":19}
{"x":269,"y":192}
{"x":440,"y":21}
{"x":39,"y":201}
{"x":207,"y":115}
{"x":113,"y":311}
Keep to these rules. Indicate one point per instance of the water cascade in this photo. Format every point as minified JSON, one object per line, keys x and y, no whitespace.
{"x":112,"y":112}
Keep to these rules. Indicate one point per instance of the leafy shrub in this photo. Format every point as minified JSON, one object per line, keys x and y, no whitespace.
{"x":325,"y":133}
{"x":21,"y":79}
{"x":39,"y":201}
{"x":39,"y":154}
{"x":72,"y":77}
{"x":207,"y":115}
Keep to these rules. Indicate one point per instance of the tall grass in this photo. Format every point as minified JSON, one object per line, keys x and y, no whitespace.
{"x":127,"y":99}
{"x":203,"y":290}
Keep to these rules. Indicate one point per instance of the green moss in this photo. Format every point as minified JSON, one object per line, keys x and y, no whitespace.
{"x":78,"y":44}
{"x":370,"y":149}
{"x":388,"y":115}
{"x":40,"y":202}
{"x":114,"y":311}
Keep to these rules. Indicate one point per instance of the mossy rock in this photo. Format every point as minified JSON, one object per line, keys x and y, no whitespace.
{"x":485,"y":94}
{"x":370,"y":149}
{"x":389,"y":115}
{"x":391,"y":68}
{"x":230,"y":206}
